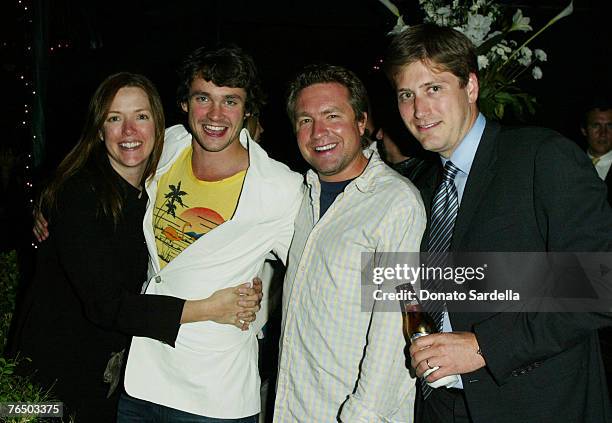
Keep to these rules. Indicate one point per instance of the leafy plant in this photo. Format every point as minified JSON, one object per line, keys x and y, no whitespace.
{"x":503,"y":60}
{"x":14,"y":387}
{"x":9,"y":279}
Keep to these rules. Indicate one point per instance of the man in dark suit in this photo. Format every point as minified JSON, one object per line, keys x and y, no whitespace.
{"x":513,"y":190}
{"x":596,"y":126}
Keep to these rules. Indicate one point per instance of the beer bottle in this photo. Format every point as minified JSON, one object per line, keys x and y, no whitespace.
{"x":419,"y":323}
{"x":416,"y":321}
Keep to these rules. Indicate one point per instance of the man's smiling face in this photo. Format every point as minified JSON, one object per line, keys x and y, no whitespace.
{"x":435,"y":107}
{"x":215,"y":114}
{"x":328,"y":132}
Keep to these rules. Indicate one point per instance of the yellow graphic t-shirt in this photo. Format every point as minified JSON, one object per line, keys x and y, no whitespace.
{"x":187,"y":208}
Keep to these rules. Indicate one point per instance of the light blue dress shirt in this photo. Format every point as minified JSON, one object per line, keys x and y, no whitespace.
{"x":462,"y":158}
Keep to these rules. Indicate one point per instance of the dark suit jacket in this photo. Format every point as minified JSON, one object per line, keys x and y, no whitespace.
{"x":530,"y":189}
{"x":608,"y":181}
{"x":605,"y":334}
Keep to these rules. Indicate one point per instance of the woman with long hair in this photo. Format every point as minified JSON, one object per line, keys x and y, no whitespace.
{"x":84,"y":300}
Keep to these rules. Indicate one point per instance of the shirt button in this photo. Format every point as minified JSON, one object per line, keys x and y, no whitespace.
{"x":158,"y":279}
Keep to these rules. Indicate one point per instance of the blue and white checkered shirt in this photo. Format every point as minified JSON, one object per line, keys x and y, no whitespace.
{"x":337,"y":359}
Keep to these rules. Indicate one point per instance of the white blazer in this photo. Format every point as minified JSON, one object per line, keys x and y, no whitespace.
{"x":212,"y":371}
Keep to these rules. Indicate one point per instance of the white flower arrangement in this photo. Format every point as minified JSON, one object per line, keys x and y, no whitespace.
{"x":502,"y":61}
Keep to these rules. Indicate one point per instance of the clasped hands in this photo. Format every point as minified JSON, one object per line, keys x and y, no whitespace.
{"x":236,"y":305}
{"x":452,"y":352}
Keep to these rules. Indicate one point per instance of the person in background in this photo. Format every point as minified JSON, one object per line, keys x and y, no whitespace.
{"x":84,"y":300}
{"x":253,"y":125}
{"x":596,"y":126}
{"x":502,"y":190}
{"x":396,"y":145}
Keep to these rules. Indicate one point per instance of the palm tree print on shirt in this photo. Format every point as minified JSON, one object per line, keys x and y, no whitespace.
{"x":177,"y":226}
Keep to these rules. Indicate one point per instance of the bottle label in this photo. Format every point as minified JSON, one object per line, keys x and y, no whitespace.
{"x":418,"y":335}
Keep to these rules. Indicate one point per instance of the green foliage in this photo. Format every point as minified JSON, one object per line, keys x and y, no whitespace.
{"x":9,"y":279}
{"x":504,"y":59}
{"x":494,"y":104}
{"x":14,"y":387}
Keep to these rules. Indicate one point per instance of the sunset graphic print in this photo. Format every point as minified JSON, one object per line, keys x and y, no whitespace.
{"x":187,"y":209}
{"x":175,"y":232}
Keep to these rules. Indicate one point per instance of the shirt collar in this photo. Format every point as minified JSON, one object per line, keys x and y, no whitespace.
{"x":604,"y":157}
{"x":364,"y":182}
{"x":464,"y":154}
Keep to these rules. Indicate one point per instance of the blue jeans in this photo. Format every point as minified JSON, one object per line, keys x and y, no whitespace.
{"x":134,"y":410}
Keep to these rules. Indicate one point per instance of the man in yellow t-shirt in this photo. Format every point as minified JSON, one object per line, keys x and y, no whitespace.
{"x":218,"y":207}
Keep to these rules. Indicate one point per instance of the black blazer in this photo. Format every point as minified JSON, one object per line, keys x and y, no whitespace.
{"x":84,"y":300}
{"x":530,"y":189}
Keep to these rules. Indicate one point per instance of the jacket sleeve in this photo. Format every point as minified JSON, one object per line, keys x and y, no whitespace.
{"x":293,"y":200}
{"x":273,"y":271}
{"x":84,"y":241}
{"x":573,"y":216}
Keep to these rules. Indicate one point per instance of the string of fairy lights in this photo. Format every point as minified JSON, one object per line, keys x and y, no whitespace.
{"x":25,"y":74}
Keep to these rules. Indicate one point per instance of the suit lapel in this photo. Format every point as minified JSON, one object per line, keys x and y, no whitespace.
{"x":481,"y":175}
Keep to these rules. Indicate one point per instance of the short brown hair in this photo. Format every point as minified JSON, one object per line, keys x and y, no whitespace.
{"x":443,"y":48}
{"x":322,"y":74}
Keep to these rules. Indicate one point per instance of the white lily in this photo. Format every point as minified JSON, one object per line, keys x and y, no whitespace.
{"x":393,"y":8}
{"x":399,"y":27}
{"x":565,"y":12}
{"x":477,"y":28}
{"x":520,"y":22}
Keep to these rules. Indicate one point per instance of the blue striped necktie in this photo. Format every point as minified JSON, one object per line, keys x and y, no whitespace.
{"x":443,"y":215}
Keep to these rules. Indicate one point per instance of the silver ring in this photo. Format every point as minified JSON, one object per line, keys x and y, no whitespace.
{"x":427,"y":362}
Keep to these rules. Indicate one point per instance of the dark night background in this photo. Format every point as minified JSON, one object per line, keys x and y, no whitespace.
{"x":101,"y":37}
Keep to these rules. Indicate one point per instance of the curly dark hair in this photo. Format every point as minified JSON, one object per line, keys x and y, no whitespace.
{"x":225,"y":66}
